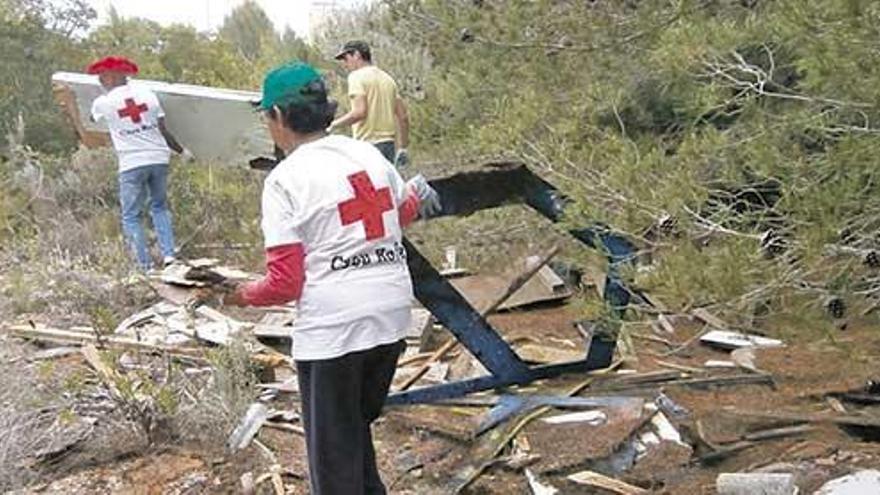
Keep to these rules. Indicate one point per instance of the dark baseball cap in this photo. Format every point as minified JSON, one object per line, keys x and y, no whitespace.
{"x":351,"y":47}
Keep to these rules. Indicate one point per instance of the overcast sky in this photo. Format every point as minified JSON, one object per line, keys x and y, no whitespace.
{"x":208,"y":14}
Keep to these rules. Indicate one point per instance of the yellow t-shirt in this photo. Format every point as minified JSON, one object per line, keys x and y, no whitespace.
{"x":381,"y":92}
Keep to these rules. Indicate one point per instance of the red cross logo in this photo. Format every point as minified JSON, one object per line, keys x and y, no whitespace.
{"x":132,"y":110}
{"x":367,"y":205}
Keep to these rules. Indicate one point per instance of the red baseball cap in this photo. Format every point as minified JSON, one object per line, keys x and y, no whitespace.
{"x":114,"y":64}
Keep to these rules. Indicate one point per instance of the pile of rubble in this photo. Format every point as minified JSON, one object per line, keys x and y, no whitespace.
{"x":688,"y":405}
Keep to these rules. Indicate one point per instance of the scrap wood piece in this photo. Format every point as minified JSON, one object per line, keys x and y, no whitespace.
{"x":47,"y":334}
{"x":866,"y":422}
{"x":679,"y":367}
{"x":272,"y":332}
{"x":652,"y":338}
{"x":718,"y":453}
{"x":709,"y":319}
{"x":135,"y":320}
{"x":684,"y":345}
{"x":248,"y":427}
{"x":285,"y":427}
{"x":665,"y":324}
{"x":277,"y":482}
{"x":543,"y":354}
{"x":53,"y":353}
{"x":179,"y":296}
{"x":514,"y":285}
{"x":723,"y":381}
{"x":596,"y":480}
{"x":436,"y":420}
{"x":108,"y":375}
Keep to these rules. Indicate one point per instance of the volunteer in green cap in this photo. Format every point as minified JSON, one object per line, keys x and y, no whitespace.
{"x":333,"y":212}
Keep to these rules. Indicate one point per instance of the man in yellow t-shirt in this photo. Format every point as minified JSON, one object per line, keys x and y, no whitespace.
{"x":377,"y":114}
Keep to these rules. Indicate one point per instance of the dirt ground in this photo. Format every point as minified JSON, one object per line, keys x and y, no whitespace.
{"x":429,"y":449}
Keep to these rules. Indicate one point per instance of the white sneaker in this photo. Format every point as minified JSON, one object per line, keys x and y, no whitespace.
{"x":168,"y":261}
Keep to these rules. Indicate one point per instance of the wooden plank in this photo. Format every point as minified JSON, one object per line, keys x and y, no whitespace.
{"x":272,"y":331}
{"x":285,"y":427}
{"x":708,"y":318}
{"x":862,"y":421}
{"x":93,"y":357}
{"x":665,"y":323}
{"x":67,"y":337}
{"x":596,"y":480}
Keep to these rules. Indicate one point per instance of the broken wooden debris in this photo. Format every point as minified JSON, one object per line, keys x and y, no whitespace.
{"x":852,"y":420}
{"x":288,"y":386}
{"x":455,"y":426}
{"x":718,"y":453}
{"x":592,"y":418}
{"x":277,"y":482}
{"x":597,"y":480}
{"x":709,"y":319}
{"x":248,"y":427}
{"x":53,"y":353}
{"x":745,"y":358}
{"x":720,"y":381}
{"x":46,"y":334}
{"x":544,"y":354}
{"x":736,"y":340}
{"x":285,"y":427}
{"x":755,"y":483}
{"x":665,"y":324}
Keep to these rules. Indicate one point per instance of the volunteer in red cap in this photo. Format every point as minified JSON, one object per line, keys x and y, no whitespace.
{"x":332,"y":217}
{"x":143,"y":148}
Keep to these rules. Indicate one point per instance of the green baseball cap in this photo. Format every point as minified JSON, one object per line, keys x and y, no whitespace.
{"x":284,"y":84}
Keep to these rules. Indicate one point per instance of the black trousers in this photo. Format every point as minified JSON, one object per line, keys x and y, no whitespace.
{"x":387,"y":148}
{"x":341,"y":397}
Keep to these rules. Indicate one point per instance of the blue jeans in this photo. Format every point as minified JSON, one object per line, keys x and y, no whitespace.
{"x":135,"y":186}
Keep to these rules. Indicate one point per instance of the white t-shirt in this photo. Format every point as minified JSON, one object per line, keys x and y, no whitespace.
{"x":132,"y":114}
{"x":339,"y":197}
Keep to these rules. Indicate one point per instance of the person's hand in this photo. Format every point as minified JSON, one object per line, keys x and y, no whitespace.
{"x":233,"y":298}
{"x":401,"y":159}
{"x":187,"y":156}
{"x":429,"y":200}
{"x":222,"y":295}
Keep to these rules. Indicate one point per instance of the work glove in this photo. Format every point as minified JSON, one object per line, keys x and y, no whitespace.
{"x":401,"y":159}
{"x":429,"y":200}
{"x":187,"y":156}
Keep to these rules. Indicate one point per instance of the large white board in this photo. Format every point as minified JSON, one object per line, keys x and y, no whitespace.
{"x":214,"y":123}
